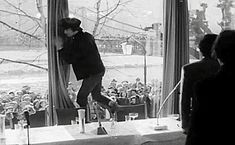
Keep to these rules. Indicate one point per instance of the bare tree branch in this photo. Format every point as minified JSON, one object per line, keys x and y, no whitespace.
{"x":21,"y":62}
{"x":42,"y":17}
{"x":112,"y":10}
{"x":36,"y":31}
{"x":120,"y":29}
{"x":39,"y":56}
{"x":15,"y":29}
{"x":98,"y":3}
{"x":13,"y":13}
{"x":119,"y":21}
{"x":39,"y":22}
{"x":22,"y":12}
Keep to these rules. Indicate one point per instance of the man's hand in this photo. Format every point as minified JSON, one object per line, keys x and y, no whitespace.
{"x":76,"y":105}
{"x":59,"y":43}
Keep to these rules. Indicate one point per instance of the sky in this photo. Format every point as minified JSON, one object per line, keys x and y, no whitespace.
{"x":213,"y":14}
{"x":139,"y":13}
{"x":143,"y":13}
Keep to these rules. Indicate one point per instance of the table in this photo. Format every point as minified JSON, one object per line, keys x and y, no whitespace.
{"x":137,"y":132}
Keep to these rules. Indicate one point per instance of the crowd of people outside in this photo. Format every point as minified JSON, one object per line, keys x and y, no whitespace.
{"x":127,"y":93}
{"x":14,"y":103}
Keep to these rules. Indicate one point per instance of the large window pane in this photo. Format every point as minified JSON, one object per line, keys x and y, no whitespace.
{"x":23,"y":55}
{"x":209,"y":16}
{"x":124,"y":30}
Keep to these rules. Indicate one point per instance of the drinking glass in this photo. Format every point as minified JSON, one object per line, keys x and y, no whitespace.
{"x":127,"y":118}
{"x":133,"y":115}
{"x":73,"y":122}
{"x":77,"y":120}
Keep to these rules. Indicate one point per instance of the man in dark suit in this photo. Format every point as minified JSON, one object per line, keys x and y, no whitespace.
{"x":80,"y":50}
{"x":211,"y":121}
{"x":193,"y":72}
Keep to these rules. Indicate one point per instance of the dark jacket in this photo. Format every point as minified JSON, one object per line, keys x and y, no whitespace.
{"x":212,"y":121}
{"x":81,"y":51}
{"x":191,"y":73}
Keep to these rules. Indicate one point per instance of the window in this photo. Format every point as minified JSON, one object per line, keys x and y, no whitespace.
{"x":128,"y":35}
{"x":209,"y":16}
{"x":23,"y":55}
{"x":129,"y":39}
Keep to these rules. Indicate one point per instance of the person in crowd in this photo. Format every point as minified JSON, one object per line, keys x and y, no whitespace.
{"x":134,"y":97}
{"x":43,"y":104}
{"x":26,"y":89}
{"x":113,"y":84}
{"x":193,"y":72}
{"x":137,"y":83}
{"x":211,"y":121}
{"x":79,"y":49}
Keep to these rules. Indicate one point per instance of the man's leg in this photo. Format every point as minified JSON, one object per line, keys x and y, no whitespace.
{"x":104,"y":101}
{"x":83,"y":93}
{"x":87,"y":86}
{"x":97,"y":96}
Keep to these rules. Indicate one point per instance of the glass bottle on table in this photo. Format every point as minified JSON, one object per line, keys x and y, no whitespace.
{"x":81,"y":118}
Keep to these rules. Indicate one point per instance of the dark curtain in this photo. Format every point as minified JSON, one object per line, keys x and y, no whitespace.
{"x":58,"y":69}
{"x":176,"y":50}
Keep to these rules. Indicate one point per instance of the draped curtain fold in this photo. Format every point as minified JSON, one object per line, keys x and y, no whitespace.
{"x":176,"y":50}
{"x":58,"y":69}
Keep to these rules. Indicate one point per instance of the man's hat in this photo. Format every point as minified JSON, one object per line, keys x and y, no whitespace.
{"x":73,"y":23}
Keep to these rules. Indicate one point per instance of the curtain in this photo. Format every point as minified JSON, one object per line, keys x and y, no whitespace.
{"x":58,"y":69}
{"x":176,"y":51}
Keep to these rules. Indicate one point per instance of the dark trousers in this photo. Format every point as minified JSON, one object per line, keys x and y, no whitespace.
{"x":92,"y":85}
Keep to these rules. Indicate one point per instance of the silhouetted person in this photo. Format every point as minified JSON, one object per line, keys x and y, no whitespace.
{"x":80,"y":50}
{"x":212,"y":121}
{"x":193,"y":72}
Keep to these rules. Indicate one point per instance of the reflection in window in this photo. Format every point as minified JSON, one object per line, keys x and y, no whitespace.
{"x":209,"y":16}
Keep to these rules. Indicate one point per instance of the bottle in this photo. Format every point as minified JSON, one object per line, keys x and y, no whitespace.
{"x":81,"y":115}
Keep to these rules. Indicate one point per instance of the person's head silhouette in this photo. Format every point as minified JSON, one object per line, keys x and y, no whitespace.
{"x":206,"y":44}
{"x":225,"y":46}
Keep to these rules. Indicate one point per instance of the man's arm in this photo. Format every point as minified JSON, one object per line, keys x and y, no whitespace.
{"x":72,"y":51}
{"x":185,"y":100}
{"x":63,"y":52}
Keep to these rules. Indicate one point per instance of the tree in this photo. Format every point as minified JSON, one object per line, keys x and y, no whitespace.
{"x":108,"y":11}
{"x":101,"y":19}
{"x":104,"y":12}
{"x":14,"y":8}
{"x":199,"y":24}
{"x":225,"y":6}
{"x":35,"y":30}
{"x":103,"y":9}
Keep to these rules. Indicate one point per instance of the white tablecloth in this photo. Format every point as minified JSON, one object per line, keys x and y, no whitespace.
{"x":124,"y":133}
